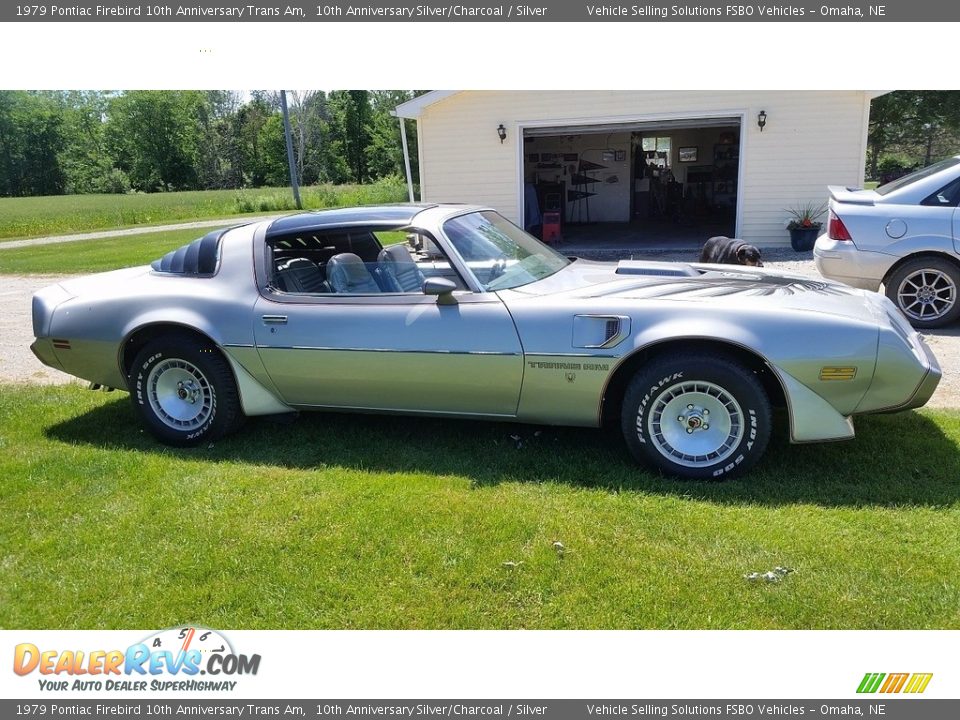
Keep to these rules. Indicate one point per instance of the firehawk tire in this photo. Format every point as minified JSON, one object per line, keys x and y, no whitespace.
{"x":926,"y":291}
{"x":184,"y":391}
{"x":696,"y":417}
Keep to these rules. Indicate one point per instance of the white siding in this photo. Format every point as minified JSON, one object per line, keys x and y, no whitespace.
{"x":812,"y":139}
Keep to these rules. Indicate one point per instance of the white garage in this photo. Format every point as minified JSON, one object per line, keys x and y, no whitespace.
{"x":641,"y":168}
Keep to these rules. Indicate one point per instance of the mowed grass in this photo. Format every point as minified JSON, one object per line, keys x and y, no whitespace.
{"x":89,"y":256}
{"x":342,"y":521}
{"x":65,"y":214}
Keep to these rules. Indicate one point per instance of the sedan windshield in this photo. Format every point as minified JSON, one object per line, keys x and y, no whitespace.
{"x":500,"y":254}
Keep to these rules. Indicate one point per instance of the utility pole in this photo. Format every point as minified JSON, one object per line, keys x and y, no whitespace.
{"x":406,"y":155}
{"x":288,"y":135}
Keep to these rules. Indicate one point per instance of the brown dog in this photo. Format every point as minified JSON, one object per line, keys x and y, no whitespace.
{"x":730,"y":251}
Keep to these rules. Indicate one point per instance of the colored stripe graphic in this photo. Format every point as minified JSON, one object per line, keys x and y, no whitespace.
{"x":918,"y":683}
{"x":894,"y":683}
{"x":870,"y":682}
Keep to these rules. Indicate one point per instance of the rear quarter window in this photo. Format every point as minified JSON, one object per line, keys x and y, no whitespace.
{"x":947,"y":196}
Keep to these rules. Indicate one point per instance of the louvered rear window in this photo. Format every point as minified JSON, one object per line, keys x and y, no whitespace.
{"x":199,"y":258}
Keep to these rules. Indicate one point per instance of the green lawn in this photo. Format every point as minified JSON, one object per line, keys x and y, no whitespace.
{"x":366,"y":522}
{"x":88,"y":256}
{"x":65,"y":214}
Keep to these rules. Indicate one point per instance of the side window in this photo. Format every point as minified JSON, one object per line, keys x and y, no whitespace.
{"x":947,"y":196}
{"x":409,"y":257}
{"x":357,"y":261}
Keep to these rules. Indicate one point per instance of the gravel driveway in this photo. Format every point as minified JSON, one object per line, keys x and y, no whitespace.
{"x":17,"y":363}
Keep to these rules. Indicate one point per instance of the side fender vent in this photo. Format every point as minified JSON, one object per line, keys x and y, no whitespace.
{"x":600,"y":331}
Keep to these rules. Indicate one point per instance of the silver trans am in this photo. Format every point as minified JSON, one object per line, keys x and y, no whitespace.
{"x":453,"y":311}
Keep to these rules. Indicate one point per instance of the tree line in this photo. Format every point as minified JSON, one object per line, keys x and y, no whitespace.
{"x":910,"y":129}
{"x":65,"y":142}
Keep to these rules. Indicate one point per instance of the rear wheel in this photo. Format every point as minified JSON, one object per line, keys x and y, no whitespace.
{"x":184,"y":391}
{"x":925,"y":289}
{"x":695,"y":416}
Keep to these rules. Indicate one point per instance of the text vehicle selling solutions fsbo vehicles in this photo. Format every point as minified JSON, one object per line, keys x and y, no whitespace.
{"x":452,"y":311}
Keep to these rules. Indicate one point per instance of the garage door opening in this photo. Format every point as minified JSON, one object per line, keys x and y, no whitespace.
{"x":632,"y":186}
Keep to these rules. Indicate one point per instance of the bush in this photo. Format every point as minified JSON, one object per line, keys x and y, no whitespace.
{"x":893,"y":163}
{"x":115,"y":182}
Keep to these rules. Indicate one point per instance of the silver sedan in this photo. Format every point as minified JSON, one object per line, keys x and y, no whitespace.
{"x":453,"y":311}
{"x":904,"y":235}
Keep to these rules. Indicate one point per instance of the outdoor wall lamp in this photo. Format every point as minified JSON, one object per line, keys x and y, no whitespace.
{"x":762,"y":119}
{"x":502,"y":133}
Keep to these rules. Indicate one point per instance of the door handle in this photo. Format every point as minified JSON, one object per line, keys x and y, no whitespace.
{"x":274,"y":319}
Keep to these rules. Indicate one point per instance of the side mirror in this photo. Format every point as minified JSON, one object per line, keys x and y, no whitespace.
{"x":442,"y":288}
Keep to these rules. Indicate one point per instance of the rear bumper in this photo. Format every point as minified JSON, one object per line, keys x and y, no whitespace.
{"x":843,"y":262}
{"x":43,"y":349}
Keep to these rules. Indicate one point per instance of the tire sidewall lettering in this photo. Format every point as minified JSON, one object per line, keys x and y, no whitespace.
{"x":649,"y":395}
{"x":743,"y":455}
{"x":140,"y":394}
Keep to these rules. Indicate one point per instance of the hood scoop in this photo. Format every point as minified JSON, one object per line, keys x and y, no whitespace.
{"x":656,"y":269}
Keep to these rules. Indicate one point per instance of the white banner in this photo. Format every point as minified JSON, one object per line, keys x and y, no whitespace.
{"x":478,"y":664}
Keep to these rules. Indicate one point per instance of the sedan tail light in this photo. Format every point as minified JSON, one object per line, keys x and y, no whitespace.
{"x":836,"y":230}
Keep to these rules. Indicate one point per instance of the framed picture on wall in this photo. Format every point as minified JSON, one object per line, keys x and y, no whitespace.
{"x":687,"y":154}
{"x":621,"y":155}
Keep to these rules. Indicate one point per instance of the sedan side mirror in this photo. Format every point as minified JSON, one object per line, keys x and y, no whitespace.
{"x":442,"y":288}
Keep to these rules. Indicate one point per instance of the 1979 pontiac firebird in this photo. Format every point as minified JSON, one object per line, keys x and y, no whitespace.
{"x":453,"y":311}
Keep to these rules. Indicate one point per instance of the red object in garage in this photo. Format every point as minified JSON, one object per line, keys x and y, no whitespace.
{"x":551,"y":227}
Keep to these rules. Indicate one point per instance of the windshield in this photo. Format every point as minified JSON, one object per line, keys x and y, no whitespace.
{"x":500,"y":254}
{"x":918,"y":175}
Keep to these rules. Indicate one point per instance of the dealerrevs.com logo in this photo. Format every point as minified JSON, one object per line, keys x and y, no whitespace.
{"x":178,"y":659}
{"x":910,"y":683}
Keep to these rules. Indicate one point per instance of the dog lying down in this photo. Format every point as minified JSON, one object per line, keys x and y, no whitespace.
{"x":730,"y":251}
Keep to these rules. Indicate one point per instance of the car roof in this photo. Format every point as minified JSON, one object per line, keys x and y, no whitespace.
{"x":398,"y":215}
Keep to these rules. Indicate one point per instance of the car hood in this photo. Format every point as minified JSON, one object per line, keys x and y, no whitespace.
{"x":703,"y":283}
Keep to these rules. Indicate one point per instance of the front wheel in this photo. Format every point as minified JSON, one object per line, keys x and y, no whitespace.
{"x":184,"y":391}
{"x":925,"y":290}
{"x":696,"y":416}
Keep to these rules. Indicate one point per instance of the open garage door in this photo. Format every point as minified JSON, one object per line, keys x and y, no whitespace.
{"x":664,"y":183}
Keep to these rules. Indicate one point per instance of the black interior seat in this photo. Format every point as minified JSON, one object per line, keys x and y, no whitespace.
{"x":399,"y":271}
{"x":300,"y":275}
{"x":347,"y":273}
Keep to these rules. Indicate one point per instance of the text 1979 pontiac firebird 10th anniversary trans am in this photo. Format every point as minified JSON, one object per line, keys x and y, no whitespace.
{"x":450,"y":310}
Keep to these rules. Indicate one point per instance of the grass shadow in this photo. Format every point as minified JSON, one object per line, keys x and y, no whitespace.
{"x":896,"y":460}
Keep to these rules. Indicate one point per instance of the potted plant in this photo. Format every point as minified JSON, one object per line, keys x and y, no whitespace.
{"x":804,"y":225}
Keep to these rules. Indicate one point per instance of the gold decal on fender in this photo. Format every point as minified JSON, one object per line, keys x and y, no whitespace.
{"x":536,"y":365}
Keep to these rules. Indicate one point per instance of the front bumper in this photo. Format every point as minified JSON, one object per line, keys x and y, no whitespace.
{"x":928,"y":384}
{"x":842,"y":261}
